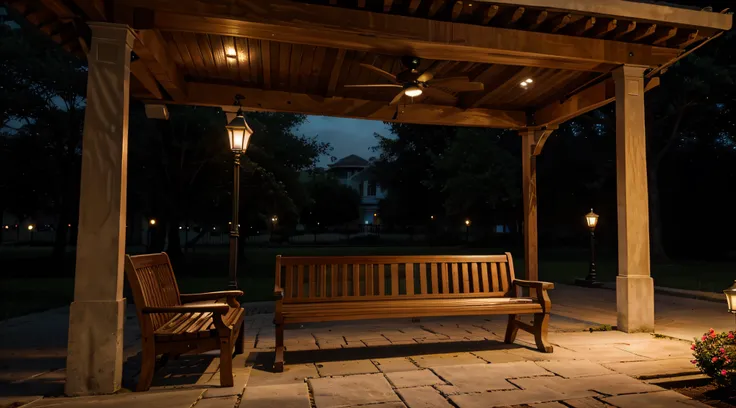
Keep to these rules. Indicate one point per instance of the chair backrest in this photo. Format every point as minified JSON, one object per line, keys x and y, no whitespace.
{"x":314,"y":279}
{"x":153,"y":284}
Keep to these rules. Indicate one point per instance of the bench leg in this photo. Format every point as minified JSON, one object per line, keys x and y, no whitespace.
{"x":226,"y":362}
{"x":278,"y":363}
{"x":240,"y":339}
{"x":148,"y":366}
{"x":541,"y":323}
{"x":511,"y":330}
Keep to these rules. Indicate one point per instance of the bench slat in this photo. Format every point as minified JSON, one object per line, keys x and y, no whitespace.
{"x":455,"y":279}
{"x":466,"y":278}
{"x":504,"y":279}
{"x":409,"y":272}
{"x":369,"y":280}
{"x":333,"y":280}
{"x":474,"y":273}
{"x":435,"y":283}
{"x":445,"y":279}
{"x":300,"y":282}
{"x":312,"y":282}
{"x":395,"y":279}
{"x":423,"y":278}
{"x":356,"y":280}
{"x":381,"y":280}
{"x":494,"y":276}
{"x":484,"y":276}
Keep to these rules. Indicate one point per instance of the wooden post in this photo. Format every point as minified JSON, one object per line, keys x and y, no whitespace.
{"x":529,"y":197}
{"x":95,"y":353}
{"x":634,"y":285}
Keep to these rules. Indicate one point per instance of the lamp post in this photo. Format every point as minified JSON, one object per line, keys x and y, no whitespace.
{"x":30,"y":231}
{"x":467,"y":230}
{"x":274,"y":220}
{"x":591,"y":220}
{"x":238,"y":133}
{"x":151,"y":226}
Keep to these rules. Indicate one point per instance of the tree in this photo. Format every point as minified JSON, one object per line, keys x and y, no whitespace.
{"x":331,"y":203}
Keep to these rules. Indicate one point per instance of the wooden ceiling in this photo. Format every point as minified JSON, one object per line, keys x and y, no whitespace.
{"x":298,"y":55}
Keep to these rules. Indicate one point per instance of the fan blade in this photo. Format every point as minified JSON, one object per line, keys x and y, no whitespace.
{"x":379,"y":71}
{"x":373,"y":86}
{"x":397,"y":98}
{"x":440,"y":95}
{"x":457,"y":84}
{"x":428,"y":73}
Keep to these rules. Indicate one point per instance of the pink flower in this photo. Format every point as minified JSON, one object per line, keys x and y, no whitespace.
{"x":730,"y":335}
{"x":722,"y":350}
{"x":703,"y":338}
{"x":711,"y":330}
{"x":714,"y":359}
{"x":724,"y":372}
{"x":713,"y":335}
{"x":692,"y":347}
{"x":694,"y":361}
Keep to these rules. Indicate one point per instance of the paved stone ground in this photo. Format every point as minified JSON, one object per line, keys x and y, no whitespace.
{"x":439,"y":362}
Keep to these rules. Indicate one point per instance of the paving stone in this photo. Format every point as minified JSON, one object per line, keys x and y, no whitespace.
{"x":240,"y":379}
{"x":162,"y":399}
{"x":664,"y":399}
{"x":334,"y":368}
{"x":654,"y":368}
{"x":505,"y":398}
{"x":498,"y":356}
{"x":575,"y":368}
{"x":351,"y":390}
{"x":549,"y":405}
{"x":282,"y":396}
{"x":604,"y":354}
{"x":293,"y":374}
{"x":450,"y":359}
{"x":566,"y":389}
{"x":423,"y":397}
{"x":224,"y":402}
{"x":586,"y":403}
{"x":416,"y":378}
{"x":659,"y":349}
{"x":390,"y":365}
{"x":488,"y":377}
{"x":377,"y":342}
{"x":613,"y":384}
{"x":386,"y":405}
{"x":353,"y":344}
{"x":533,"y":354}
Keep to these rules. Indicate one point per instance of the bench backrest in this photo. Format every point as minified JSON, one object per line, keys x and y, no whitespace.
{"x":313,"y":279}
{"x":153,"y":284}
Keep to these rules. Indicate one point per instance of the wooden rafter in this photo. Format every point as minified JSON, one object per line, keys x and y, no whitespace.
{"x":94,"y":9}
{"x":582,"y":26}
{"x":152,"y":50}
{"x":538,"y":20}
{"x":624,"y":30}
{"x":335,"y":74}
{"x":686,"y":40}
{"x":561,"y":22}
{"x":643,"y":32}
{"x":457,"y":9}
{"x":665,"y":35}
{"x":434,"y":7}
{"x":413,"y":6}
{"x":139,"y":70}
{"x":206,"y":94}
{"x":516,"y":16}
{"x":398,"y":35}
{"x":489,"y":13}
{"x":603,"y":29}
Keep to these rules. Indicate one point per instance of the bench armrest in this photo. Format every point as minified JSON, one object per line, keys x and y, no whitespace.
{"x":220,"y":308}
{"x":278,"y":292}
{"x":196,"y":297}
{"x":534,"y":284}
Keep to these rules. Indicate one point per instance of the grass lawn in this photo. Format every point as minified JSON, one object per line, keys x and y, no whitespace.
{"x":29,"y":283}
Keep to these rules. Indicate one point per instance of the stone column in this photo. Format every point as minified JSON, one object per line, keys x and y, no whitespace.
{"x":95,"y":353}
{"x":634,"y":285}
{"x":529,"y":197}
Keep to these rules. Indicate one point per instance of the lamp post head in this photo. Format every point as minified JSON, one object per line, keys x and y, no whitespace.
{"x":152,"y":221}
{"x":274,"y":218}
{"x":731,"y":298}
{"x":238,"y":133}
{"x":467,"y":223}
{"x":30,"y":227}
{"x":591,"y":219}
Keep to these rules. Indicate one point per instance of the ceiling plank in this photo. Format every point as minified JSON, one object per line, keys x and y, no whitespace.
{"x":205,"y":94}
{"x":538,"y":21}
{"x":266,"y":63}
{"x":152,"y":49}
{"x":309,"y":24}
{"x":336,"y":69}
{"x":583,"y":102}
{"x":60,"y":9}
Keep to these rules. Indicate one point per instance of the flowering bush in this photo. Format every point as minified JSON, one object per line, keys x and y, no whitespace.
{"x":715,"y":355}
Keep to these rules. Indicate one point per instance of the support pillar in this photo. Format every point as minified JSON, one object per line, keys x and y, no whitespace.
{"x":634,"y":285}
{"x":95,"y":352}
{"x":529,"y":198}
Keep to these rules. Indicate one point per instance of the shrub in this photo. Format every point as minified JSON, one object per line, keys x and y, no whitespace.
{"x":715,"y":356}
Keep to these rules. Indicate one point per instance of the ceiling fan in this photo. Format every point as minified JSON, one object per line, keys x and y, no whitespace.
{"x":413,"y":83}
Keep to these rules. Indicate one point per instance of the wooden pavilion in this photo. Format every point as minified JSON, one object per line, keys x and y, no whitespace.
{"x":301,"y":55}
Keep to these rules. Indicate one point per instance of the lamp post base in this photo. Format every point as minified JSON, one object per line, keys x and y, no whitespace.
{"x":588,"y":283}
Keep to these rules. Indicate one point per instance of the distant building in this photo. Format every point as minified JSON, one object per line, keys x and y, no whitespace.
{"x":357,"y":173}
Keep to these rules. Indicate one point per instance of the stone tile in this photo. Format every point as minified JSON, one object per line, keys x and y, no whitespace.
{"x":352,"y":390}
{"x":533,"y":354}
{"x":334,"y":368}
{"x":353,"y":344}
{"x":282,"y":396}
{"x":651,"y":368}
{"x":406,"y":379}
{"x":549,"y":405}
{"x":614,"y":384}
{"x":376,"y":342}
{"x":240,"y":379}
{"x":659,"y":349}
{"x":505,"y":398}
{"x":293,"y":374}
{"x":224,"y":402}
{"x":443,"y":360}
{"x":586,"y":403}
{"x":566,"y":389}
{"x":575,"y":368}
{"x":664,"y":399}
{"x":18,"y":401}
{"x":499,"y":356}
{"x":390,"y":365}
{"x":604,"y":354}
{"x":386,"y":405}
{"x":488,"y":377}
{"x":423,"y":397}
{"x":163,"y":399}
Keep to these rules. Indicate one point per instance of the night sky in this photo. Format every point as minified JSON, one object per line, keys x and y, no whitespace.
{"x":346,"y":136}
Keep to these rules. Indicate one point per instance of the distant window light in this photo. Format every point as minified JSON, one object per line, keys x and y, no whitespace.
{"x":371,"y":189}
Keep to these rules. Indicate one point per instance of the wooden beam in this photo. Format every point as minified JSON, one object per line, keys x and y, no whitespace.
{"x":204,"y":94}
{"x":361,"y":3}
{"x":64,"y":13}
{"x":685,"y":41}
{"x":665,"y":36}
{"x":540,"y":138}
{"x":387,"y":4}
{"x":516,"y":16}
{"x":489,"y":13}
{"x":583,"y":102}
{"x":457,"y":8}
{"x":152,"y":50}
{"x":583,"y":26}
{"x":335,"y":74}
{"x":538,"y":21}
{"x":94,"y":9}
{"x":628,"y":28}
{"x":435,"y":7}
{"x":630,"y":10}
{"x":561,"y":23}
{"x":316,"y":25}
{"x":139,"y":70}
{"x":643,"y":32}
{"x":604,"y":29}
{"x":529,"y":198}
{"x":413,"y":6}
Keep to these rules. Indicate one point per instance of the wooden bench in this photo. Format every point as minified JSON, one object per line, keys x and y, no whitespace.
{"x":173,"y":324}
{"x":320,"y":289}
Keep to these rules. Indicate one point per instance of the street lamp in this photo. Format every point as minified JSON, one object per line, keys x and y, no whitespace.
{"x":731,"y":298}
{"x":591,"y":220}
{"x":467,"y":230}
{"x":30,"y":231}
{"x":239,"y":134}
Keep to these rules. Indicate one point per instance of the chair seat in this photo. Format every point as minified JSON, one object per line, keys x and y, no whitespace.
{"x":193,"y":325}
{"x":404,"y":308}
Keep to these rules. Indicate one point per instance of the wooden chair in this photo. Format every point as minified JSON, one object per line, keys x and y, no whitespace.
{"x":320,"y":289}
{"x":173,"y":324}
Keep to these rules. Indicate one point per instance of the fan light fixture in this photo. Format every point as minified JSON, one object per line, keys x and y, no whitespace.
{"x":412,"y":91}
{"x":526,"y":82}
{"x":230,"y":53}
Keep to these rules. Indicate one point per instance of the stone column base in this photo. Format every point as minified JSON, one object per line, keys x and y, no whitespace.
{"x":94,"y":362}
{"x":635,"y":304}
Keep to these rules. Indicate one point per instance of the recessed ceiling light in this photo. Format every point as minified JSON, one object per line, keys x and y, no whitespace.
{"x":528,"y":81}
{"x":413,"y":91}
{"x":524,"y":84}
{"x":230,"y":52}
